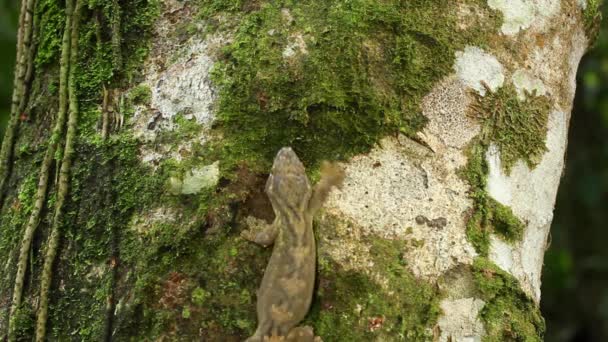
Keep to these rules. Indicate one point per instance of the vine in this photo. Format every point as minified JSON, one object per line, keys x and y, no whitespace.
{"x":41,"y":191}
{"x":64,"y":177}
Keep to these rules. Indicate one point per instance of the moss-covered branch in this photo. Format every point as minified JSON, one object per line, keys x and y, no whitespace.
{"x":64,"y":177}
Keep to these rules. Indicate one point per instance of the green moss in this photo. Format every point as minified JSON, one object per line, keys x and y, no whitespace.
{"x":138,"y":18}
{"x":199,"y":296}
{"x":179,"y":261}
{"x":17,"y":208}
{"x":93,"y":224}
{"x":517,"y":127}
{"x":509,"y":314}
{"x":592,"y":18}
{"x":350,"y":306}
{"x":488,"y":215}
{"x":23,"y":321}
{"x":141,"y":95}
{"x":52,"y":21}
{"x":97,"y":64}
{"x":336,"y":76}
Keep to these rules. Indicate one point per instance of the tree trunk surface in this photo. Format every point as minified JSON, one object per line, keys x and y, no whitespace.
{"x":142,"y":134}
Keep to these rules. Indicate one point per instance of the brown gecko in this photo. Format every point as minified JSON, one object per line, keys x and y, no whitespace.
{"x":285,"y":294}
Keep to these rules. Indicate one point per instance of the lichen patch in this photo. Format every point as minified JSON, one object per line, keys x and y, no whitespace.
{"x":446,"y":108}
{"x":527,"y":84}
{"x":185,"y":87}
{"x":463,"y":322}
{"x":523,"y":14}
{"x":582,"y":4}
{"x":195,"y":180}
{"x":388,"y":191}
{"x":296,"y":46}
{"x":475,"y":67}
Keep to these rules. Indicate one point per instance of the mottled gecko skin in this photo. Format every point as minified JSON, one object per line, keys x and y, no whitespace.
{"x":286,"y":291}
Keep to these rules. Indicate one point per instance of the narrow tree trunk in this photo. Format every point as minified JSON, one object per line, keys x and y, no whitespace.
{"x":449,"y":118}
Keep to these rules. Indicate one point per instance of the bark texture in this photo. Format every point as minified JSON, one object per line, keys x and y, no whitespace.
{"x":449,"y":117}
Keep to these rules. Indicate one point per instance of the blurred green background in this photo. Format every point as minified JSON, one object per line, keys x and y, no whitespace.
{"x":8,"y":41}
{"x":575,"y":278}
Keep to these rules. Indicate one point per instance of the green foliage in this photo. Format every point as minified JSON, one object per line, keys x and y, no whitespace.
{"x":509,"y":314}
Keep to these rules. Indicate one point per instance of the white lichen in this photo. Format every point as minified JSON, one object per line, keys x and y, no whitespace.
{"x":526,"y":84}
{"x":475,"y":67}
{"x":446,"y":108}
{"x":185,"y":87}
{"x":386,"y":190}
{"x":522,"y":14}
{"x":195,"y":180}
{"x":462,"y":323}
{"x":582,"y":4}
{"x":296,"y":46}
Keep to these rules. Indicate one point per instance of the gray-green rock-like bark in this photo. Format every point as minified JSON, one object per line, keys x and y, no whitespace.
{"x":449,"y":118}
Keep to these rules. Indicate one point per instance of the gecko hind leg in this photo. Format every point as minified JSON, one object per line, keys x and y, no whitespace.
{"x":260,"y":232}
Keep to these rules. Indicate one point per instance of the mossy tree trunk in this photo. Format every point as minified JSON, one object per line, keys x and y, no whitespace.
{"x":142,"y":133}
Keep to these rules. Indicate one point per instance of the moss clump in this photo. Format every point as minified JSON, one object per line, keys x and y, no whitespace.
{"x":336,"y":76}
{"x":24,"y":320}
{"x":350,"y":306}
{"x":18,"y":205}
{"x":517,"y":127}
{"x":488,"y":215}
{"x":141,"y":95}
{"x":509,"y":314}
{"x":52,"y":20}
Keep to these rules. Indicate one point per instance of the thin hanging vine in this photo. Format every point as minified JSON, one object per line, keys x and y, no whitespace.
{"x":41,"y":191}
{"x":64,"y":178}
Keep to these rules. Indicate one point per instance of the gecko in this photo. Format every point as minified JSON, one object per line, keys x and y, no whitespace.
{"x":285,"y":294}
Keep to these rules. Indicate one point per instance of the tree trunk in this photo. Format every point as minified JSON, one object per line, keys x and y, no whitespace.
{"x":140,"y":143}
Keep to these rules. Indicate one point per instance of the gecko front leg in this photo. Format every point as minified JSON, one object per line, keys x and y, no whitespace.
{"x":332,"y":175}
{"x":260,"y":231}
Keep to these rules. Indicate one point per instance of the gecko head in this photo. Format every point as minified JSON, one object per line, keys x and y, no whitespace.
{"x":288,"y":184}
